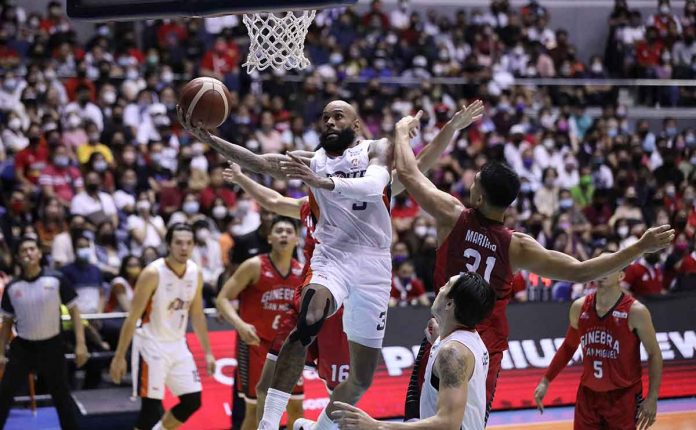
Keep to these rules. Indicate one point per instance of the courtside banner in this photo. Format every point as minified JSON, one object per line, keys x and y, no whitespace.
{"x":536,"y":332}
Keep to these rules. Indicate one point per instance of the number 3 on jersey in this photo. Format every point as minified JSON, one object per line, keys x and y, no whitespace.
{"x":474,"y":266}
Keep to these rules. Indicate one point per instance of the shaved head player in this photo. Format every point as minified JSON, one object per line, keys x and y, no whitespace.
{"x":475,"y":240}
{"x":349,"y":179}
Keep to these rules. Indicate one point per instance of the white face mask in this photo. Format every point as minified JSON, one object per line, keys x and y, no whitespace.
{"x":73,"y":121}
{"x":219,"y":212}
{"x":83,"y":254}
{"x":109,"y":97}
{"x":202,"y":235}
{"x":191,"y":207}
{"x":100,"y":165}
{"x":622,"y":231}
{"x":15,"y":123}
{"x":143,"y":205}
{"x":243,"y":205}
{"x":420,"y":230}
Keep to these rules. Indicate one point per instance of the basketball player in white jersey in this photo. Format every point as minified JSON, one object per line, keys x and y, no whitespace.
{"x":167,"y":293}
{"x":349,"y":181}
{"x":454,"y":390}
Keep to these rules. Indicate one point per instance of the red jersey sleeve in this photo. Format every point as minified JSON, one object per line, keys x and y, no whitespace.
{"x":564,"y":354}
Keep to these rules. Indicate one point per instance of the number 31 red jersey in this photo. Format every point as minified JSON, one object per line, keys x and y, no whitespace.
{"x":477,"y":244}
{"x":263,"y":303}
{"x":610,"y":350}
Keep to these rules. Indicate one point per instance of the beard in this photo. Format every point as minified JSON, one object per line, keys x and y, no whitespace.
{"x":338,"y":142}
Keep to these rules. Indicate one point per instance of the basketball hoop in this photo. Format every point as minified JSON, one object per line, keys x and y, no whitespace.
{"x":277,"y":39}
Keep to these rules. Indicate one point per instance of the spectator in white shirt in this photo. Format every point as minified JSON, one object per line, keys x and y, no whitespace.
{"x":86,"y":109}
{"x":568,"y":176}
{"x":93,"y":204}
{"x":145,"y":229}
{"x":400,"y":18}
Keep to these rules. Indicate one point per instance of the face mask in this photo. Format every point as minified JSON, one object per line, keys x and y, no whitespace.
{"x":219,"y":212}
{"x":612,"y":132}
{"x":61,"y":160}
{"x":202,"y":235}
{"x":92,"y":188}
{"x":652,"y":258}
{"x":109,"y":97}
{"x":397,"y":260}
{"x":10,"y":84}
{"x":528,"y":162}
{"x":548,"y":143}
{"x":671,"y":131}
{"x":549,"y":182}
{"x":73,"y":121}
{"x":100,"y":165}
{"x":420,"y":230}
{"x":132,"y":74}
{"x":143,"y":205}
{"x":167,"y":77}
{"x":15,"y":123}
{"x":191,"y":207}
{"x":94,"y":137}
{"x":336,"y":58}
{"x":83,"y":254}
{"x":664,"y":9}
{"x":156,"y":158}
{"x":597,"y":68}
{"x":622,"y":231}
{"x":133,"y":272}
{"x":526,"y":188}
{"x":405,"y":280}
{"x":566,"y":203}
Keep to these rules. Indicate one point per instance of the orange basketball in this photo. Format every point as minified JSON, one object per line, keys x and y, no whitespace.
{"x":207,"y":101}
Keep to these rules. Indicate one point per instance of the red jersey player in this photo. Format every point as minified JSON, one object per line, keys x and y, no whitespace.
{"x":609,"y":325}
{"x":265,"y":286}
{"x":475,"y":240}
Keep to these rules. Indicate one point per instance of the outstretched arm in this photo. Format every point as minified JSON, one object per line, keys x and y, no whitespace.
{"x":454,"y":366}
{"x":269,"y":199}
{"x":639,"y":319}
{"x":443,"y":206}
{"x":431,"y":153}
{"x":268,"y":164}
{"x":526,"y":253}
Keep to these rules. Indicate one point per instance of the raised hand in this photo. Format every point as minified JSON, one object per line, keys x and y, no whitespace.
{"x":195,"y":130}
{"x":657,"y":238}
{"x":409,"y":124}
{"x":467,"y":115}
{"x":232,"y":173}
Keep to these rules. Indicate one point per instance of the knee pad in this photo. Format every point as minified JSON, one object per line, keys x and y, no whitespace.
{"x":305,"y":333}
{"x":188,"y":404}
{"x":151,"y":412}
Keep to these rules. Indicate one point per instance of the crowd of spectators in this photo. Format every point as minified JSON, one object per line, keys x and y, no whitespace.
{"x":95,"y":165}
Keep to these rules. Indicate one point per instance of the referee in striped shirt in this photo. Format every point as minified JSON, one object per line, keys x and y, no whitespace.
{"x":32,"y":302}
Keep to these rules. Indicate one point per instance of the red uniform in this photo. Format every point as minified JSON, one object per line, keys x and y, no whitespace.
{"x":262,"y":305}
{"x":329,"y":352}
{"x":643,"y":279}
{"x":478,"y":244}
{"x":610,"y":386}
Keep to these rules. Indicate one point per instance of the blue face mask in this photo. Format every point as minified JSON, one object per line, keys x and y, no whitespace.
{"x":398,"y":259}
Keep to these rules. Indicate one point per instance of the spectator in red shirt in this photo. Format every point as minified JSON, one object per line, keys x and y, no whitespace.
{"x":644,"y":277}
{"x":80,"y":83}
{"x":648,"y":51}
{"x":407,"y":289}
{"x":170,"y":34}
{"x":221,"y":59}
{"x":403,"y":211}
{"x":375,"y":17}
{"x":31,"y":160}
{"x":55,"y":22}
{"x":61,"y":179}
{"x":216,"y":189}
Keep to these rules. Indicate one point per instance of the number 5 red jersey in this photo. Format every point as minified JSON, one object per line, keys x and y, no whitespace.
{"x":610,"y":350}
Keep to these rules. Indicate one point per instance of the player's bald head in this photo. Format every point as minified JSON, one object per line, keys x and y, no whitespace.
{"x":343,"y":106}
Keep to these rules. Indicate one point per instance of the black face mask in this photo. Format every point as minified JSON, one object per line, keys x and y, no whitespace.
{"x":337,"y":143}
{"x":34,"y":140}
{"x":652,"y":258}
{"x":92,"y":188}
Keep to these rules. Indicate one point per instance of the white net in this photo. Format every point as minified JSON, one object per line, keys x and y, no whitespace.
{"x":277,"y":40}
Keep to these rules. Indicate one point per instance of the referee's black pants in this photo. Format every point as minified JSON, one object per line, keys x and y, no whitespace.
{"x":46,"y":358}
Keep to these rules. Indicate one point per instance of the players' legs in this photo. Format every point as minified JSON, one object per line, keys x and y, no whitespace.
{"x":623,"y":417}
{"x":494,"y":363}
{"x":363,"y":363}
{"x":263,"y":386}
{"x":16,"y":371}
{"x":249,"y":422}
{"x":151,"y":411}
{"x":188,"y":404}
{"x":316,"y":304}
{"x":295,"y":410}
{"x":588,"y":408}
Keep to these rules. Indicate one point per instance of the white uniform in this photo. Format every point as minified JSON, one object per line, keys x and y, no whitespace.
{"x":160,"y":355}
{"x":475,"y":413}
{"x":352,"y":257}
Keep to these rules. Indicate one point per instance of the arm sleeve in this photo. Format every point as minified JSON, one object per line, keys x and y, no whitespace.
{"x":564,"y":353}
{"x":68,"y":295}
{"x":368,"y":188}
{"x":6,"y":307}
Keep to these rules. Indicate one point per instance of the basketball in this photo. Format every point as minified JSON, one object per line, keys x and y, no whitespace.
{"x":207,"y":101}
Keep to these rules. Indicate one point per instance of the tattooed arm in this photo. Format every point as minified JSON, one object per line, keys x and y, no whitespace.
{"x":454,"y":366}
